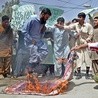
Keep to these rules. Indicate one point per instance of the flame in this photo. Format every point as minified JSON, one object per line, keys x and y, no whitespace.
{"x":34,"y":85}
{"x":51,"y":87}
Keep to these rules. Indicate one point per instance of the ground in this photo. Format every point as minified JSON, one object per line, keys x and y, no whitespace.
{"x":82,"y":88}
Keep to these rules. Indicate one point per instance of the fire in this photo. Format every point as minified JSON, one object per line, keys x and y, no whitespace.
{"x":34,"y":85}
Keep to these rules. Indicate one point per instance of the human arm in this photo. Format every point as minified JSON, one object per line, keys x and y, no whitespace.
{"x":50,"y":29}
{"x":63,"y":27}
{"x":79,"y":47}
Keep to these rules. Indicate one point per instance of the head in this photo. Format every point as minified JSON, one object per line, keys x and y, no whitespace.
{"x":74,"y":20}
{"x":5,"y":21}
{"x":61,"y":20}
{"x":96,"y":22}
{"x":45,"y":15}
{"x":81,"y":17}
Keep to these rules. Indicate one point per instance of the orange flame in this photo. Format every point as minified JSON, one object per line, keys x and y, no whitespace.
{"x":34,"y":85}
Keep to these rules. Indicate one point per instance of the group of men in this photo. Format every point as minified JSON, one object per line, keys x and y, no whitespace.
{"x":36,"y":48}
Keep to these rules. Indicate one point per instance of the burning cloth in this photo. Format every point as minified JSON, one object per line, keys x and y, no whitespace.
{"x":52,"y":87}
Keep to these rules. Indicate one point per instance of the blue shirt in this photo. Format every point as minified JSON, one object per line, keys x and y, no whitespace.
{"x":32,"y":30}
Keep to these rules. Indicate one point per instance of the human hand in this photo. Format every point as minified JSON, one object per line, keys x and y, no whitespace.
{"x":88,"y":40}
{"x":64,"y":60}
{"x":77,"y":35}
{"x":59,"y":26}
{"x":59,"y":60}
{"x":75,"y":48}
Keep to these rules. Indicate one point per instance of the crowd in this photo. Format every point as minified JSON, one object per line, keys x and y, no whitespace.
{"x":38,"y":43}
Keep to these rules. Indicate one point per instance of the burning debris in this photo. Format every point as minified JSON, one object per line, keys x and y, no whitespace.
{"x":32,"y":85}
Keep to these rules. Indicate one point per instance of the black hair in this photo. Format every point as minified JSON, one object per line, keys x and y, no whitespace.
{"x":46,"y":11}
{"x":82,"y":15}
{"x":61,"y":19}
{"x":5,"y":17}
{"x":96,"y":17}
{"x":75,"y":19}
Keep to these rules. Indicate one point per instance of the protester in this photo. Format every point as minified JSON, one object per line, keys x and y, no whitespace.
{"x":33,"y":39}
{"x":61,"y":47}
{"x":92,"y":46}
{"x":84,"y":35}
{"x":21,"y":59}
{"x":6,"y":39}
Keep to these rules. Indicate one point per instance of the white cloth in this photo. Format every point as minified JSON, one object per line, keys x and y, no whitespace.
{"x":61,"y":47}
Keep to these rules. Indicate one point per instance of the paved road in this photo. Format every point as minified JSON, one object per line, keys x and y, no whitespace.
{"x":82,"y":88}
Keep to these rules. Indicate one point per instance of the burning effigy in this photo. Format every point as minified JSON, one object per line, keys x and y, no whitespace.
{"x":32,"y":85}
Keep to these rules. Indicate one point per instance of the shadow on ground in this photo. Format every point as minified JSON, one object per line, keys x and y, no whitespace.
{"x":71,"y":85}
{"x":85,"y":83}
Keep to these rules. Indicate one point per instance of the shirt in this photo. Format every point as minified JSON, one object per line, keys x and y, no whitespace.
{"x":86,"y":31}
{"x":32,"y":30}
{"x":6,"y":40}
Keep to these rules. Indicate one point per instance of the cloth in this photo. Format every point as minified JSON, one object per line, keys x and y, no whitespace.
{"x":6,"y":40}
{"x":38,"y":52}
{"x":49,"y":58}
{"x":32,"y":30}
{"x":5,"y":65}
{"x":95,"y":40}
{"x":84,"y":57}
{"x":52,"y":87}
{"x":21,"y":62}
{"x":61,"y":47}
{"x":33,"y":41}
{"x":72,"y":38}
{"x":86,"y":33}
{"x":94,"y":56}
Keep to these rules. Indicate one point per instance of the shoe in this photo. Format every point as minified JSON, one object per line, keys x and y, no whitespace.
{"x":4,"y":75}
{"x":75,"y":73}
{"x":78,"y":76}
{"x":87,"y":76}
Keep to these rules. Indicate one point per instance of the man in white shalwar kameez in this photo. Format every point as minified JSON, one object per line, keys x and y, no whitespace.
{"x":61,"y":47}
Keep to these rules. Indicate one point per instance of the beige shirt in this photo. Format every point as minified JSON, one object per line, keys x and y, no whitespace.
{"x":86,"y":32}
{"x":95,"y":39}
